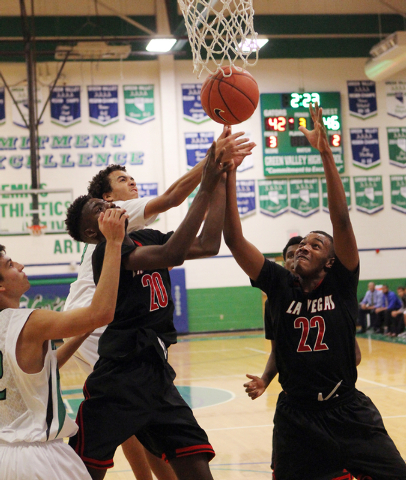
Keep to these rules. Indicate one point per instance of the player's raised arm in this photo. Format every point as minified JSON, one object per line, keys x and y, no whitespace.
{"x":234,"y":147}
{"x":345,"y":245}
{"x":175,"y":250}
{"x":248,"y":257}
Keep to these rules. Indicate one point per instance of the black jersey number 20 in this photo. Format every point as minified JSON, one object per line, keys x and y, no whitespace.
{"x":305,"y":325}
{"x":2,"y":392}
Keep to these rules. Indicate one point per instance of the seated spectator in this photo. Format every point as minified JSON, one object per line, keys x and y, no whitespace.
{"x":368,"y":305}
{"x":399,"y":316}
{"x":389,"y":303}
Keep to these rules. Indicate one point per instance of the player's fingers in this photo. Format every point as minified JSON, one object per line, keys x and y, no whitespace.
{"x":305,"y":131}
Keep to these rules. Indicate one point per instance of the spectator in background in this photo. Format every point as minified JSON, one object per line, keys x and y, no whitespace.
{"x":368,"y":305}
{"x":399,"y":316}
{"x":389,"y":303}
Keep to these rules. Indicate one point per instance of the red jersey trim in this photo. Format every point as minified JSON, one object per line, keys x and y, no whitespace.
{"x":193,"y":450}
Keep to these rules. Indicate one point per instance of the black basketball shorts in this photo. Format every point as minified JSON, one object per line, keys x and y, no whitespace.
{"x":135,"y":398}
{"x":309,"y":444}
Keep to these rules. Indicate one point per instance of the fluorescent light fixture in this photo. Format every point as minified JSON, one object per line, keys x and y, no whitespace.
{"x":252,"y":45}
{"x":160,"y":45}
{"x":92,"y":51}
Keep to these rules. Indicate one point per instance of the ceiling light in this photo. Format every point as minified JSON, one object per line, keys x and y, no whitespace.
{"x":252,"y":45}
{"x":92,"y":51}
{"x":160,"y":45}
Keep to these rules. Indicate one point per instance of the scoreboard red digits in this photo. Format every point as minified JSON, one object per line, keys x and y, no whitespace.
{"x":272,"y":141}
{"x":275,"y":124}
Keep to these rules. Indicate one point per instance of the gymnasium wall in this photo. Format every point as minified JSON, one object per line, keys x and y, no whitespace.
{"x":219,"y":295}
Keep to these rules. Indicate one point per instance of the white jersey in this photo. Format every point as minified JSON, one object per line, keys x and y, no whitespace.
{"x":82,"y":290}
{"x":31,"y":406}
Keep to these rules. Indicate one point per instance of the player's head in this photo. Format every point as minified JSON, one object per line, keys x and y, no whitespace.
{"x":289,"y":252}
{"x":315,"y":254}
{"x":113,"y":183}
{"x":13,"y":280}
{"x":82,"y":218}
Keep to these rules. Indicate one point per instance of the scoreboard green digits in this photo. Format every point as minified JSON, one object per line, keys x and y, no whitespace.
{"x":286,"y":151}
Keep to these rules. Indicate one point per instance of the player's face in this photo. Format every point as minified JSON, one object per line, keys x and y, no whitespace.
{"x":123,"y":187}
{"x":90,"y":215}
{"x":14,"y":280}
{"x":290,"y":258}
{"x":313,"y":255}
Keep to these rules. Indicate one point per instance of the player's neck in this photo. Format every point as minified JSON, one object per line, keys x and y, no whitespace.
{"x":309,"y":284}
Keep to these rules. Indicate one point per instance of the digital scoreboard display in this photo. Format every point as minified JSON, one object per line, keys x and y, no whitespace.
{"x":286,"y":150}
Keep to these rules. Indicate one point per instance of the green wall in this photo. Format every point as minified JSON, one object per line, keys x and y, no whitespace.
{"x":393,"y":284}
{"x":219,"y":309}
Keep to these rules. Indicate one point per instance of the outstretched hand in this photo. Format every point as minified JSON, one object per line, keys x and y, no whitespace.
{"x":235,"y":148}
{"x":317,"y":137}
{"x":112,"y":224}
{"x":255,"y":388}
{"x":215,"y":168}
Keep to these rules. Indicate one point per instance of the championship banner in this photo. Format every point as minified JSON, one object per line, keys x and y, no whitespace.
{"x":362,"y":98}
{"x":65,"y":106}
{"x":396,"y":98}
{"x":397,"y":146}
{"x":347,"y":190}
{"x":2,"y":106}
{"x":139,"y":103}
{"x":304,"y":196}
{"x":103,"y":104}
{"x":365,"y":147}
{"x":192,"y":106}
{"x":147,"y":189}
{"x":398,"y":192}
{"x":20,"y":95}
{"x":197,"y":144}
{"x":246,"y":197}
{"x":368,"y":194}
{"x":273,"y":197}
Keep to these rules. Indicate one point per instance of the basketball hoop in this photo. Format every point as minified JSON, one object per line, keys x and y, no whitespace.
{"x":222,"y":35}
{"x":36,"y":230}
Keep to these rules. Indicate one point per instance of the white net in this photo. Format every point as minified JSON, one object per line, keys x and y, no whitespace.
{"x":220,"y":32}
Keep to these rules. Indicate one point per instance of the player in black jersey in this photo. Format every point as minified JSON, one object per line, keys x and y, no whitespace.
{"x":322,"y":423}
{"x":131,"y":390}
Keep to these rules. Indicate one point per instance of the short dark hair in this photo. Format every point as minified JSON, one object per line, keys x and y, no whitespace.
{"x":2,"y":252}
{"x":321,"y":232}
{"x":100,"y":183}
{"x":74,"y":217}
{"x":292,"y":241}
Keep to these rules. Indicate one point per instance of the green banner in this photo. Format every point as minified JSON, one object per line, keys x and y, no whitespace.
{"x":397,"y":146}
{"x":347,"y":190}
{"x":273,"y":197}
{"x":139,"y":103}
{"x":304,"y":196}
{"x":368,"y":194}
{"x":398,"y":192}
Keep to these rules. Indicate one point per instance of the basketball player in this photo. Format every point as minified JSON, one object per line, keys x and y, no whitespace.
{"x":131,"y":389}
{"x":257,"y":386}
{"x":33,"y":419}
{"x":322,"y":423}
{"x":114,"y":184}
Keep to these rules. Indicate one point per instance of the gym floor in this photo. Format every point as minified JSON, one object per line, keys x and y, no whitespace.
{"x":210,"y":375}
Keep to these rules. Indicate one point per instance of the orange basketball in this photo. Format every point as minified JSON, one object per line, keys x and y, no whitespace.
{"x":230,"y":100}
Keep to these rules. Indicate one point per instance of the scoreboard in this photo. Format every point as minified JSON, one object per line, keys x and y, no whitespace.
{"x":286,"y":151}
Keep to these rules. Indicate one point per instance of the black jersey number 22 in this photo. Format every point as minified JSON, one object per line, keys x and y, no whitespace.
{"x":305,"y":324}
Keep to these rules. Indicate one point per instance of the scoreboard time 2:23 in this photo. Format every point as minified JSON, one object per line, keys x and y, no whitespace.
{"x":286,"y":150}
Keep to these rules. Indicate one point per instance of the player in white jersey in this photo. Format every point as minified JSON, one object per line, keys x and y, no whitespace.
{"x":114,"y":184}
{"x":33,"y":418}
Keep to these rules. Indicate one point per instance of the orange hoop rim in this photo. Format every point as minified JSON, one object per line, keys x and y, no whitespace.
{"x":36,"y":230}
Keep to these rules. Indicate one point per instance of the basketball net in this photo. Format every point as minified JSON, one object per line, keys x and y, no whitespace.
{"x":36,"y":230}
{"x":222,"y":35}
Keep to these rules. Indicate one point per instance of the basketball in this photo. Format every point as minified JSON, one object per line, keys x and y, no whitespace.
{"x":230,"y":100}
